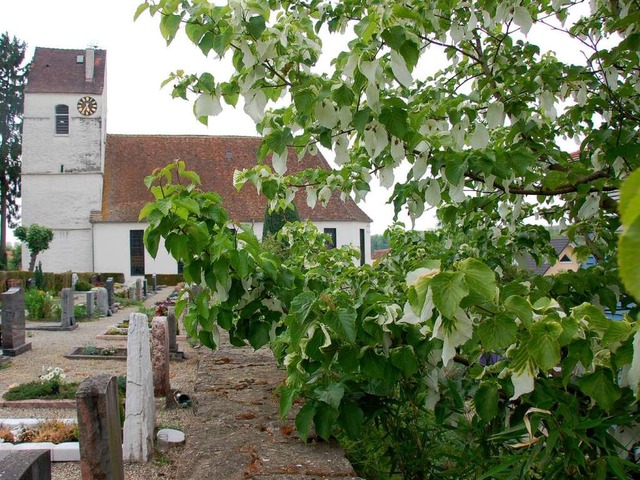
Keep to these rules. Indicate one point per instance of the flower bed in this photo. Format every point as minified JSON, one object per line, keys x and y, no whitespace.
{"x":98,"y":353}
{"x":58,"y":436}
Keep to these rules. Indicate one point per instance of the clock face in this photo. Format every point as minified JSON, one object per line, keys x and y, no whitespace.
{"x":87,"y":106}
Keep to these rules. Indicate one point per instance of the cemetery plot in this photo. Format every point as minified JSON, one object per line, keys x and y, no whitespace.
{"x":98,"y":353}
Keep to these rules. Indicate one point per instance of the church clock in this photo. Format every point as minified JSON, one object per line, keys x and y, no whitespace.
{"x":87,"y":106}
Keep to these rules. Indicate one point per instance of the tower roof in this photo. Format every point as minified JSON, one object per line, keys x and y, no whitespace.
{"x":55,"y":70}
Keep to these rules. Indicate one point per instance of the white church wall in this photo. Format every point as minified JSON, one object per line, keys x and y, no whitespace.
{"x":112,"y":251}
{"x":45,"y":152}
{"x":70,"y":250}
{"x":61,"y":201}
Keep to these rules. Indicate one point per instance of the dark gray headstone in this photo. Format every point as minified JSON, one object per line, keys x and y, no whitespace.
{"x":173,"y":329}
{"x":154,"y":282}
{"x":102,"y":303}
{"x":68,"y":318}
{"x":99,"y":428}
{"x":13,"y":336}
{"x":110,"y":297}
{"x":145,"y":292}
{"x":26,"y":465}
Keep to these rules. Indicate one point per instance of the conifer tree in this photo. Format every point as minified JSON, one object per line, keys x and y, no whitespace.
{"x":13,"y":75}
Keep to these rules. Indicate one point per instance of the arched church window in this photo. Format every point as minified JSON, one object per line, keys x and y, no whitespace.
{"x":62,"y":119}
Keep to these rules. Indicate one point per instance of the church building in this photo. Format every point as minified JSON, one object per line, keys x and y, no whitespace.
{"x":87,"y":185}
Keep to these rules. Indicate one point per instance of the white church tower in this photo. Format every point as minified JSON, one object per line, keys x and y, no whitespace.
{"x":63,"y":152}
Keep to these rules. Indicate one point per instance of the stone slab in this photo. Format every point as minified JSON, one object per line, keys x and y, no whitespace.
{"x":66,"y":452}
{"x":14,"y":352}
{"x":174,"y":437}
{"x":38,"y":403}
{"x":26,"y":465}
{"x":50,"y":327}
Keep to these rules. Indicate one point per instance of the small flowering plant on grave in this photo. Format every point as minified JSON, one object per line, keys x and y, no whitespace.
{"x":54,"y":376}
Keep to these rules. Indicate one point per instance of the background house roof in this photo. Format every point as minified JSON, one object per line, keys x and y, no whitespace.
{"x":55,"y":70}
{"x":558,"y":244}
{"x":130,"y":158}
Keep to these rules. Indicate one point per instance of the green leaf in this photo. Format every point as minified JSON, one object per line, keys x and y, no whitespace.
{"x":395,"y":120}
{"x":351,"y":418}
{"x":331,"y":395}
{"x":304,"y":99}
{"x":520,"y":307}
{"x":324,"y":419}
{"x":258,"y":334}
{"x":543,"y":344}
{"x":601,"y":387}
{"x":304,"y":419}
{"x":486,"y":400}
{"x":288,"y":395}
{"x":256,"y":26}
{"x":346,"y":323}
{"x":394,"y":37}
{"x":169,"y":27}
{"x":479,"y":278}
{"x":497,"y":332}
{"x":302,"y":305}
{"x":141,"y":8}
{"x":405,"y":359}
{"x":448,"y":290}
{"x":629,"y":205}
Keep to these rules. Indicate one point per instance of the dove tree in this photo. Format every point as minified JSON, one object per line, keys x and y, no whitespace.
{"x":465,"y":107}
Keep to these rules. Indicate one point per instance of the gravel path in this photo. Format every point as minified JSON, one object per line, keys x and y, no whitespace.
{"x":48,"y":350}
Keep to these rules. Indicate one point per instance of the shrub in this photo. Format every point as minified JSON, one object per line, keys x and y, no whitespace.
{"x":39,"y":304}
{"x":83,"y":286}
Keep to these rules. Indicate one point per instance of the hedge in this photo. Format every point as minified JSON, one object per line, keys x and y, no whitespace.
{"x":55,"y":282}
{"x":164,"y":279}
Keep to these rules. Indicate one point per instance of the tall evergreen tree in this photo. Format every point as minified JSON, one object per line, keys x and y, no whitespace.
{"x":275,"y":220}
{"x":13,"y":76}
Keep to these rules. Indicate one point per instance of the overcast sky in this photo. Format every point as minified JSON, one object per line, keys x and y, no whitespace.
{"x":138,"y":60}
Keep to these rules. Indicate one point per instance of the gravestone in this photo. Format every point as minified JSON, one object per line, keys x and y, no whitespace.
{"x":145,"y":289}
{"x":68,"y":319}
{"x":31,"y":283}
{"x":91,"y":301}
{"x":160,"y":356}
{"x":74,"y":280}
{"x":102,"y":302}
{"x":110,"y":296}
{"x":139,"y":289}
{"x":99,"y":428}
{"x":133,"y":293}
{"x":26,"y":465}
{"x":139,"y":422}
{"x":172,"y":323}
{"x":13,"y":336}
{"x":154,"y":282}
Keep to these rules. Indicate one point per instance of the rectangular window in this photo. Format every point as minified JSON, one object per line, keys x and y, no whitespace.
{"x":136,"y":249}
{"x":180,"y":267}
{"x":334,"y":237}
{"x":362,"y":251}
{"x":62,"y":120}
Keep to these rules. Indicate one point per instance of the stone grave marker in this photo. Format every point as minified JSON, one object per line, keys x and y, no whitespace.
{"x":111,"y":302}
{"x":139,"y":292}
{"x":26,"y":465}
{"x":154,"y":282}
{"x":99,"y":428}
{"x":68,"y":318}
{"x":13,"y":335}
{"x":145,"y":289}
{"x":160,"y":356}
{"x":140,"y":407}
{"x":91,"y":301}
{"x":102,"y":302}
{"x":133,"y":292}
{"x":74,"y":280}
{"x":172,"y":323}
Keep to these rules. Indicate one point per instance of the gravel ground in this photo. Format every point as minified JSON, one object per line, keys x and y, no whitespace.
{"x":48,"y":349}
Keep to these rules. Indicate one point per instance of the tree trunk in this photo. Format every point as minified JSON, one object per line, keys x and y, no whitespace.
{"x":3,"y":226}
{"x":32,"y":261}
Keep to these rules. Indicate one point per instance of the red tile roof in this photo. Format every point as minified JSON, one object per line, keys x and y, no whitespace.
{"x":55,"y":70}
{"x":129,"y":158}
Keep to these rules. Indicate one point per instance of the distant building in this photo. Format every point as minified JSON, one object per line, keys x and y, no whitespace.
{"x":566,"y":259}
{"x":88,"y":186}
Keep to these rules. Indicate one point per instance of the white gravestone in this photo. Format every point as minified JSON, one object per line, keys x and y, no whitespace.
{"x":139,"y":421}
